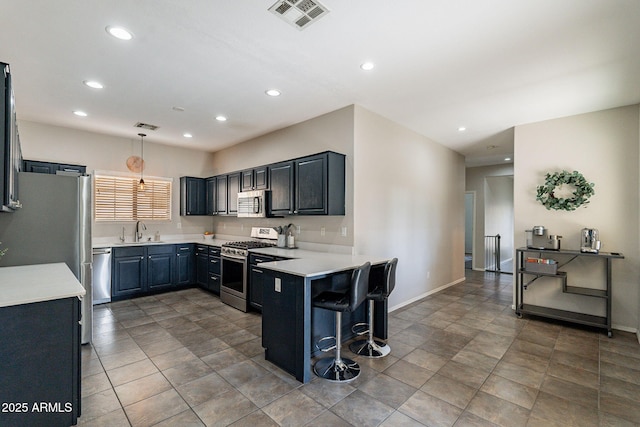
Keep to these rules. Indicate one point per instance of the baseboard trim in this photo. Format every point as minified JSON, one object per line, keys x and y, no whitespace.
{"x":426,"y":294}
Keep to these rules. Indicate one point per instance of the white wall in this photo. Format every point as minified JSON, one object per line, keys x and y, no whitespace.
{"x":108,"y":153}
{"x":604,"y":147}
{"x":408,"y":203}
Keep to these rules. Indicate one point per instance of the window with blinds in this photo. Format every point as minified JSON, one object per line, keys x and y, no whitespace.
{"x":118,"y":198}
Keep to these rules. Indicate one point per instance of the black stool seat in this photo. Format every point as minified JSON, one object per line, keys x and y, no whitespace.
{"x":336,"y":368}
{"x":371,"y":347}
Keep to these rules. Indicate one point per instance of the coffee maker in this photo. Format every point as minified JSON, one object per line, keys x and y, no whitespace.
{"x":538,"y":238}
{"x":590,"y":242}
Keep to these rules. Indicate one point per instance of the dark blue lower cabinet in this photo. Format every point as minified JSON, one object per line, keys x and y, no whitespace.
{"x":160,"y":266}
{"x":283,"y":322}
{"x":185,"y":265}
{"x":129,"y":276}
{"x":40,"y":354}
{"x":141,"y":270}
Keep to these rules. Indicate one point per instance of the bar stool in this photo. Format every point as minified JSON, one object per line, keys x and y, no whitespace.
{"x":337,"y":368}
{"x":369,"y":347}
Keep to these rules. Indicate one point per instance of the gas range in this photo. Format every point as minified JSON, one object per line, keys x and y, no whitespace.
{"x":241,"y":249}
{"x":234,"y":271}
{"x":264,"y":237}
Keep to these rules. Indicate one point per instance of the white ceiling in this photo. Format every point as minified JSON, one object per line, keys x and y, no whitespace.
{"x":487,"y":65}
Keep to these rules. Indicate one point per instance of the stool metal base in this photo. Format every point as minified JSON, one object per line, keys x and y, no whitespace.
{"x":343,"y":370}
{"x":370,"y":348}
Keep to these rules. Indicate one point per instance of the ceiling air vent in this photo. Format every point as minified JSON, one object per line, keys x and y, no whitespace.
{"x":145,"y":126}
{"x":299,"y":13}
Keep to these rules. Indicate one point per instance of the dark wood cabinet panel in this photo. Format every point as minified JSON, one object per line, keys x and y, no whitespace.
{"x":221,"y":195}
{"x":192,"y":196}
{"x":281,"y":182}
{"x":40,"y":355}
{"x":254,"y":179}
{"x":160,"y":265}
{"x":129,"y":272}
{"x":185,"y":264}
{"x":233,"y":188}
{"x":37,"y":166}
{"x":320,"y":184}
{"x":210,"y":196}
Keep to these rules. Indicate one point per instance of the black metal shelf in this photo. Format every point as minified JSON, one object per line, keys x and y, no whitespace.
{"x":570,"y":316}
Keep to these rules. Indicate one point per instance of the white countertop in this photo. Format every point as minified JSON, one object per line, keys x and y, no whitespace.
{"x":35,"y":283}
{"x":303,"y":262}
{"x":311,"y":263}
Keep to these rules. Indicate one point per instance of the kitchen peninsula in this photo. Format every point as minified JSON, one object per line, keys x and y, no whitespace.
{"x":40,"y":351}
{"x":291,"y":327}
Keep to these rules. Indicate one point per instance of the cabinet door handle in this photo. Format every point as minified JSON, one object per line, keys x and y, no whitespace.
{"x":255,"y":270}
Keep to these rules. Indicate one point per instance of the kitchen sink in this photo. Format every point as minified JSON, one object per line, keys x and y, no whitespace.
{"x":146,"y":242}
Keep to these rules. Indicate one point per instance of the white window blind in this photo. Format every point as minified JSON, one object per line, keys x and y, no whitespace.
{"x":118,"y":198}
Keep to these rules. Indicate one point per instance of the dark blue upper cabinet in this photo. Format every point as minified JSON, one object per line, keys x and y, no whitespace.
{"x":320,"y":184}
{"x":233,"y":188}
{"x":210,"y":196}
{"x":192,"y":196}
{"x":221,"y":195}
{"x":281,"y":184}
{"x":37,"y":166}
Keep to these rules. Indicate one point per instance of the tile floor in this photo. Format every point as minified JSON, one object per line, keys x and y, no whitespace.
{"x":459,"y":357}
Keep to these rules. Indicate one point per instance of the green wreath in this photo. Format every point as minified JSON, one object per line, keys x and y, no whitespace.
{"x":583,"y":190}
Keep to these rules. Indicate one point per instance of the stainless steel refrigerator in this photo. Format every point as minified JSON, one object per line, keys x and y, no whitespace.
{"x":53,"y":225}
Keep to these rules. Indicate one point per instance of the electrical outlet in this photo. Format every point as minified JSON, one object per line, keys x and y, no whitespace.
{"x":179,"y":225}
{"x":343,"y":232}
{"x":298,"y":229}
{"x":323,"y":231}
{"x":278,"y":287}
{"x":428,"y":274}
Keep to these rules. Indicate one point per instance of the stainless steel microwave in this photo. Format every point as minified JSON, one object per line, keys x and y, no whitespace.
{"x":253,"y":204}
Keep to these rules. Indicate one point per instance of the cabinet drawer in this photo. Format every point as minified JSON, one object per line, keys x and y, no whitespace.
{"x":159,"y":249}
{"x":128,"y":251}
{"x":257,"y":258}
{"x":214,"y":264}
{"x":214,"y":250}
{"x":181,"y":249}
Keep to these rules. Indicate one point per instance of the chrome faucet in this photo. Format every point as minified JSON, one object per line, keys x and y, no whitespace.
{"x":138,"y":234}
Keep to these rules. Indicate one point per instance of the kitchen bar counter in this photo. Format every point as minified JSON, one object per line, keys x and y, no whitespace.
{"x":36,"y":283}
{"x":291,"y":326}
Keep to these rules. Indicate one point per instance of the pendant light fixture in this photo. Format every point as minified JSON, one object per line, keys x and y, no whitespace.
{"x":141,"y":183}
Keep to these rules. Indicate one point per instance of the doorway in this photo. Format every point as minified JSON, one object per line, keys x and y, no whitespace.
{"x":469,"y":222}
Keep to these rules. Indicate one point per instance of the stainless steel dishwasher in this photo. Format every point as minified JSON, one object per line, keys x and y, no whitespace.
{"x":101,"y":277}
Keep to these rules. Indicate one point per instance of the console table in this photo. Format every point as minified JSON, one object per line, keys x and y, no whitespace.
{"x":524,"y":278}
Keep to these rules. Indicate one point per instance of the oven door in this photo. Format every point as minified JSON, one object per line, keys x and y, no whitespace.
{"x":233,"y":285}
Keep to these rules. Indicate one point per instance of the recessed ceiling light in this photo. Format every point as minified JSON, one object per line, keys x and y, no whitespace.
{"x":507,"y":159}
{"x":187,"y":135}
{"x":273,"y":92}
{"x":221,"y":118}
{"x":93,"y":84}
{"x":462,"y":129}
{"x":119,"y":32}
{"x":80,"y":113}
{"x":176,"y":108}
{"x":367,"y":66}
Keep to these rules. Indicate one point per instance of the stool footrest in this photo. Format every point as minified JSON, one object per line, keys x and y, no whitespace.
{"x":360,"y":329}
{"x":328,"y":347}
